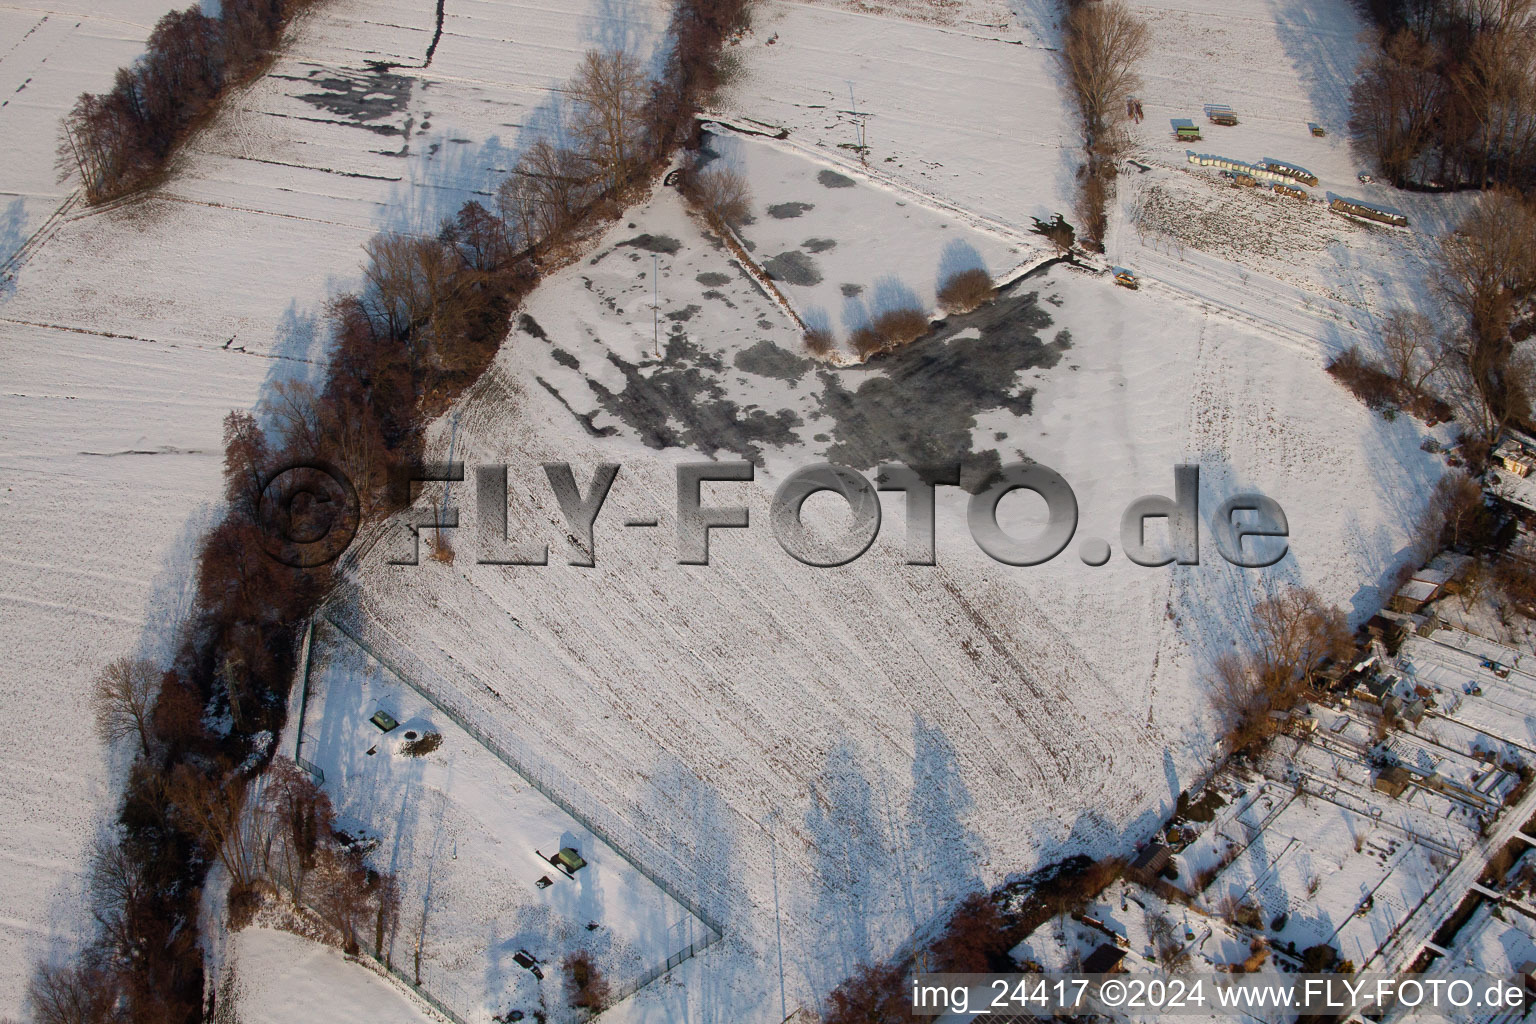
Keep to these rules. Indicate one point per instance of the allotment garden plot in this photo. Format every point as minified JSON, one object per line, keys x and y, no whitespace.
{"x":471,"y":843}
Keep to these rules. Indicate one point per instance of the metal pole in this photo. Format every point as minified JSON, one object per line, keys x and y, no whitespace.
{"x":453,"y":437}
{"x":777,"y":922}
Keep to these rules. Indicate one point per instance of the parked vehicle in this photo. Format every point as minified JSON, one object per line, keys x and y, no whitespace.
{"x":1126,"y":279}
{"x":1316,"y":129}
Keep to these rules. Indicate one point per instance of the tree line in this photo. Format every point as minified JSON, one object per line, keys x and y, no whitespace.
{"x":1448,"y":96}
{"x":1104,"y":41}
{"x":118,"y":141}
{"x":431,"y":316}
{"x":1466,"y":356}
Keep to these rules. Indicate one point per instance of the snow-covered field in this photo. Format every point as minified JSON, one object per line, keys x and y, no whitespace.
{"x":1286,"y":265}
{"x":843,"y":751}
{"x":127,"y":334}
{"x":464,"y":834}
{"x":283,"y":977}
{"x":881,"y":737}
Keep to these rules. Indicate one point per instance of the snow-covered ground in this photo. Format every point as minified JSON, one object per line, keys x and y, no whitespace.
{"x":880,"y":737}
{"x":844,"y":751}
{"x":469,"y":839}
{"x":283,"y":977}
{"x":127,"y":334}
{"x":1287,"y":265}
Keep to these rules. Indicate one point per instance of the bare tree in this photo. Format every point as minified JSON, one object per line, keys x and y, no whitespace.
{"x":123,"y":700}
{"x":300,"y":821}
{"x":723,"y":195}
{"x":120,"y":894}
{"x":74,"y":994}
{"x":1394,"y":103}
{"x":1488,"y":265}
{"x":1415,"y":351}
{"x":1105,"y":41}
{"x":610,"y":89}
{"x":214,"y":810}
{"x":545,"y":193}
{"x":1296,"y":634}
{"x":1456,"y":513}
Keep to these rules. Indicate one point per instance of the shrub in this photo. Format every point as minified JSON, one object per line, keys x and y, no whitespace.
{"x":244,"y":900}
{"x":867,"y":341}
{"x":901,"y":326}
{"x":1061,"y":234}
{"x":422,"y":745}
{"x":723,"y":194}
{"x":1366,"y":380}
{"x":818,"y":341}
{"x":875,"y":994}
{"x":965,"y":290}
{"x":588,"y":987}
{"x":975,"y":940}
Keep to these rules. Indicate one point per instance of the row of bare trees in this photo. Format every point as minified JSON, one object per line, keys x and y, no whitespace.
{"x":1104,"y":41}
{"x":1468,"y":358}
{"x":118,"y":140}
{"x":975,"y":939}
{"x":1448,"y":97}
{"x":429,"y":320}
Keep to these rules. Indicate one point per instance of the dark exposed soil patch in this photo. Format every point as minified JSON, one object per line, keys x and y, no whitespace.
{"x":664,"y":244}
{"x":710,"y":279}
{"x":818,"y":244}
{"x":831,"y":179}
{"x":769,"y":360}
{"x":789,"y":211}
{"x":682,"y":404}
{"x":793,"y":267}
{"x":852,"y":290}
{"x":919,"y":405}
{"x":360,"y":96}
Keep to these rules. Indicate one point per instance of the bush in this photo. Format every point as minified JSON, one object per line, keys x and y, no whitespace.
{"x":422,"y":745}
{"x":588,"y":987}
{"x":965,"y":290}
{"x":875,"y":994}
{"x":867,"y":342}
{"x":818,"y":341}
{"x":722,"y":194}
{"x":900,"y":327}
{"x":1366,"y":380}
